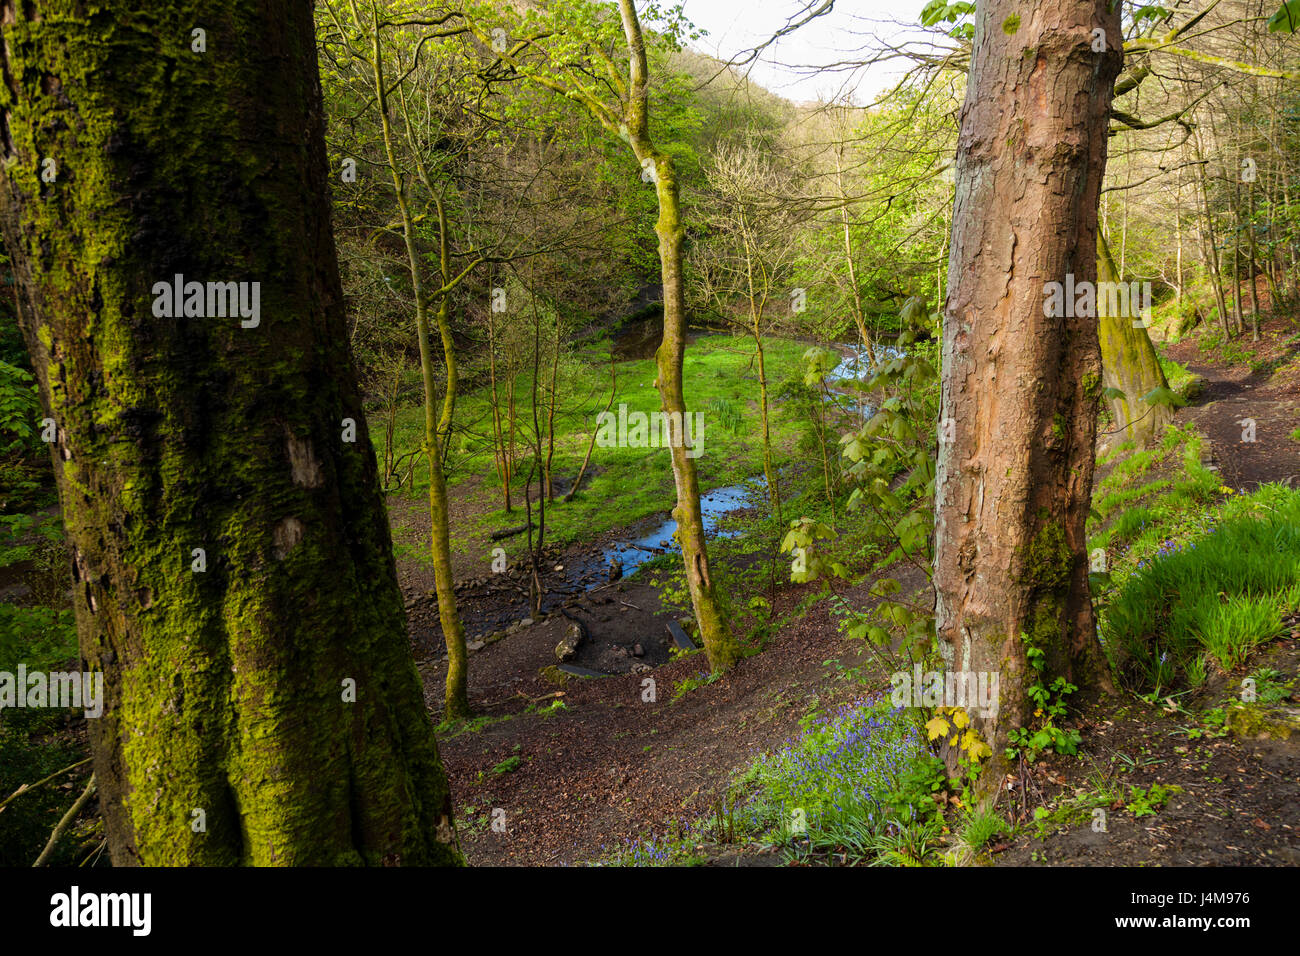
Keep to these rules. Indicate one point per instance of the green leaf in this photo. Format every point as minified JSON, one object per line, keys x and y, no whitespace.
{"x":885,"y":586}
{"x":1163,"y":396}
{"x":1287,"y":19}
{"x":1150,"y":11}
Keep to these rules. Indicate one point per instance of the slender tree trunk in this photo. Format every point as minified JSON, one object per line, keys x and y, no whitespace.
{"x":721,"y":648}
{"x":1209,"y":246}
{"x":551,"y":409}
{"x":264,"y":686}
{"x":1178,"y":232}
{"x":453,"y":631}
{"x":613,"y":391}
{"x":769,"y":469}
{"x":535,"y":592}
{"x":498,"y":433}
{"x":855,"y":294}
{"x":1253,"y":264}
{"x":1237,"y":317}
{"x":1013,"y":489}
{"x":512,"y":419}
{"x":757,"y":305}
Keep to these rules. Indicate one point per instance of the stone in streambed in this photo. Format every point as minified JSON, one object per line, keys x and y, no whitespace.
{"x":567,"y":649}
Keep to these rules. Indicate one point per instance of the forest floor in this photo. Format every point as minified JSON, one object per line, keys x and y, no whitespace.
{"x":579,"y":769}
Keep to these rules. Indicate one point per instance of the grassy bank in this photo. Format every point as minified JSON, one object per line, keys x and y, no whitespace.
{"x":623,"y":485}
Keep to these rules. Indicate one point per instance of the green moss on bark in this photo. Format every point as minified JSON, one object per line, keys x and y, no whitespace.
{"x":224,"y":689}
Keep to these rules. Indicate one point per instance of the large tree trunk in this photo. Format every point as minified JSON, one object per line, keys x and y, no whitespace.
{"x":718,"y":643}
{"x":227,"y":689}
{"x":1129,"y":363}
{"x":1013,"y":488}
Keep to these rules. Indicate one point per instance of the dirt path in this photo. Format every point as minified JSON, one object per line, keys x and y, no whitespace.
{"x":1236,"y":395}
{"x":620,"y":761}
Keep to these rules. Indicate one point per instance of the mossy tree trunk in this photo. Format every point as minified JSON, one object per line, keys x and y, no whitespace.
{"x":758,"y":294}
{"x":1013,"y":487}
{"x":629,"y":119}
{"x":437,"y":425}
{"x":229,"y":690}
{"x":721,"y":648}
{"x":1129,"y":363}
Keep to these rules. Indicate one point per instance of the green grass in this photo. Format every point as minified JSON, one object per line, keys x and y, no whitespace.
{"x":1211,"y":594}
{"x":1133,"y":515}
{"x":624,"y":485}
{"x":1183,"y":383}
{"x":980,"y":828}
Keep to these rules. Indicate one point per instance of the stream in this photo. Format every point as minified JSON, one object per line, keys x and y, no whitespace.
{"x":638,"y":339}
{"x":713,"y":507}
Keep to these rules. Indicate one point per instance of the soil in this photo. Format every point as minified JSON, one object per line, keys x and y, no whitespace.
{"x":1237,"y":805}
{"x":1269,"y":396}
{"x":623,"y":759}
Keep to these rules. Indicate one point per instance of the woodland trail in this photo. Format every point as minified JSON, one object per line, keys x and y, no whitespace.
{"x":1233,"y":395}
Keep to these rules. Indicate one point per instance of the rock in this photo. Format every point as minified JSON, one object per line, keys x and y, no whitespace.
{"x":615,"y":569}
{"x":640,"y":667}
{"x":494,"y":637}
{"x":680,"y":637}
{"x":638,"y":650}
{"x":1259,"y":722}
{"x":553,"y":675}
{"x":474,"y":646}
{"x":568,"y":646}
{"x":526,"y":622}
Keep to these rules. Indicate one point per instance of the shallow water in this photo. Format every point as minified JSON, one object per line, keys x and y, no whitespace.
{"x":713,"y":506}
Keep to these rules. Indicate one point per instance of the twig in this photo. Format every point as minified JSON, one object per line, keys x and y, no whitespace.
{"x":67,"y":819}
{"x":97,"y":850}
{"x":26,"y":787}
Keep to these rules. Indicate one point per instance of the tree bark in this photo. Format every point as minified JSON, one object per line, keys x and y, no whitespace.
{"x":1013,"y":488}
{"x":1129,"y":363}
{"x":225,"y":689}
{"x":721,"y":648}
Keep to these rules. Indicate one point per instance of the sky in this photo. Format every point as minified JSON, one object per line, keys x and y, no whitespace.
{"x":735,"y":26}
